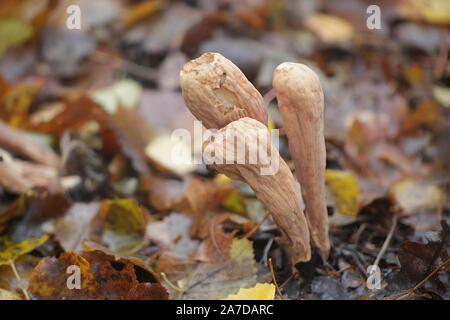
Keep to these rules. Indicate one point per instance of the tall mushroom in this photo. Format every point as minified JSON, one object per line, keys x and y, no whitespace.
{"x":217,"y":92}
{"x":300,"y":99}
{"x":233,"y":147}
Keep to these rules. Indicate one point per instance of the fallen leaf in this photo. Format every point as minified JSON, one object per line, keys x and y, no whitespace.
{"x":123,"y":228}
{"x":24,"y":265}
{"x":138,"y":261}
{"x":344,"y":192}
{"x":75,"y":226}
{"x":329,"y":28}
{"x":417,"y":260}
{"x":171,"y":154}
{"x":13,"y":33}
{"x":124,"y":93}
{"x":8,"y":295}
{"x":148,"y":291}
{"x":49,"y":279}
{"x":262,"y":291}
{"x":113,"y":284}
{"x":218,"y":280}
{"x":413,"y":195}
{"x":9,"y":250}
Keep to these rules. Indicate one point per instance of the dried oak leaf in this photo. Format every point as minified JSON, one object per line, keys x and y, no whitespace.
{"x":90,"y":245}
{"x":113,"y":284}
{"x":49,"y":279}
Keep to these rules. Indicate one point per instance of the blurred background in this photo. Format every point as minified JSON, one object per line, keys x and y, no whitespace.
{"x":87,"y":115}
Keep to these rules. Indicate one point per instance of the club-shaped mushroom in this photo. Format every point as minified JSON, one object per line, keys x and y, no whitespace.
{"x":243,"y":150}
{"x":217,"y":92}
{"x":300,"y":100}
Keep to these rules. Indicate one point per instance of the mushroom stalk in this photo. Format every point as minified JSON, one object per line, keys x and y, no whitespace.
{"x":300,"y":100}
{"x":269,"y":177}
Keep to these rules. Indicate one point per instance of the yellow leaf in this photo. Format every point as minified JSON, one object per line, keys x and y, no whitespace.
{"x":13,"y":33}
{"x":234,"y":202}
{"x":329,"y":28}
{"x":222,"y":179}
{"x":344,"y":191}
{"x":262,"y":291}
{"x":11,"y":250}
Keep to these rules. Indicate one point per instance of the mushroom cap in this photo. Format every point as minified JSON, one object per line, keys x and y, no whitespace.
{"x":217,"y":92}
{"x":296,"y":82}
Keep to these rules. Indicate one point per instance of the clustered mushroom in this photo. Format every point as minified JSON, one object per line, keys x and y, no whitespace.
{"x":219,"y":95}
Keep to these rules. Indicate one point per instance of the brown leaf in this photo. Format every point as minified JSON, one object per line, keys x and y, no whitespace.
{"x":148,"y":291}
{"x":113,"y":284}
{"x":49,"y":279}
{"x":417,"y":259}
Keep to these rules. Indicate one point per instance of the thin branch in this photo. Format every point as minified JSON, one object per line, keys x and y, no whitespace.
{"x":16,"y":274}
{"x":174,"y":287}
{"x":275,"y":280}
{"x":255,"y":228}
{"x":421,"y":283}
{"x":387,"y":241}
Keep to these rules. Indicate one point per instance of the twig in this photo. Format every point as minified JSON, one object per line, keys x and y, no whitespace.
{"x":387,"y":241}
{"x":289,"y":279}
{"x":275,"y":280}
{"x":174,"y":287}
{"x":421,"y":283}
{"x":255,"y":228}
{"x":16,"y":274}
{"x":361,"y":228}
